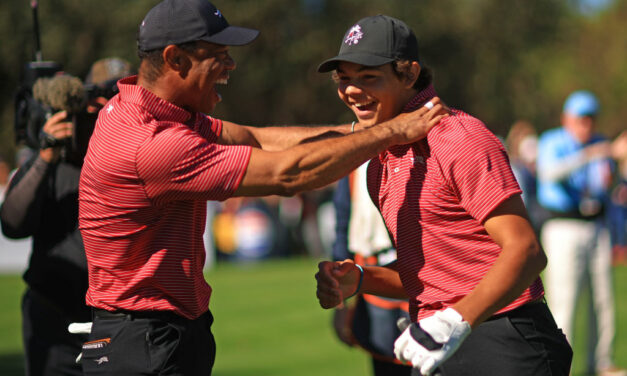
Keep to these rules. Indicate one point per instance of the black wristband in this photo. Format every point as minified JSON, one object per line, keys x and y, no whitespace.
{"x":47,"y":141}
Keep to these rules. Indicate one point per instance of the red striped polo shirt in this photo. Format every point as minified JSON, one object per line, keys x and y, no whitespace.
{"x":434,"y":196}
{"x":150,"y":168}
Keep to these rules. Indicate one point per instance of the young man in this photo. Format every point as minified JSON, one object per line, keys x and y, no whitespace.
{"x":156,"y":158}
{"x":467,"y":254}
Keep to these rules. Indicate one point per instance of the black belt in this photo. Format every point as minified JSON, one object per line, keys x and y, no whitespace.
{"x":132,"y":315}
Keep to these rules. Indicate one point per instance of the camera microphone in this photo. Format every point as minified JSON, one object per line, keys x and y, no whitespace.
{"x":61,"y":93}
{"x":65,"y":93}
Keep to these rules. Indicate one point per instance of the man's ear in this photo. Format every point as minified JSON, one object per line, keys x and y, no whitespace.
{"x":176,"y":59}
{"x":412,"y":76}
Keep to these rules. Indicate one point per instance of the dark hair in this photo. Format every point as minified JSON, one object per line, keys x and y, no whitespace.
{"x":401,"y":69}
{"x":154,"y":60}
{"x":425,"y":78}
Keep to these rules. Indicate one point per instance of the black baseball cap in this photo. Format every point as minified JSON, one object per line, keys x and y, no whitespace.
{"x":374,"y":41}
{"x":181,"y":21}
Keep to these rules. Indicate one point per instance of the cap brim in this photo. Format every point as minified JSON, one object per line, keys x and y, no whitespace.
{"x":358,"y":58}
{"x":583,"y":113}
{"x":233,"y":36}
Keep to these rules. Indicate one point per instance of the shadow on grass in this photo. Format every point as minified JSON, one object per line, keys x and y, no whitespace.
{"x":11,"y":364}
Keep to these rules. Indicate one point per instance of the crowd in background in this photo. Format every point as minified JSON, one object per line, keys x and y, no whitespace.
{"x":522,"y":143}
{"x":249,"y":229}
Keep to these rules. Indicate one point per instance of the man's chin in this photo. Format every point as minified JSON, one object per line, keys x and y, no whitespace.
{"x":210,"y":107}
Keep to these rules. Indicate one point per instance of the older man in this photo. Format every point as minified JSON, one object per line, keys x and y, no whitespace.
{"x":574,"y":178}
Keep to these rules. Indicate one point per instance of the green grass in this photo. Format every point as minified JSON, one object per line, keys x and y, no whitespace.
{"x":11,"y":358}
{"x":268,"y":322}
{"x":581,"y":321}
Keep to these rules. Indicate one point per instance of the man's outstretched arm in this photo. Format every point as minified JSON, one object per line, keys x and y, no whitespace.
{"x":311,"y":165}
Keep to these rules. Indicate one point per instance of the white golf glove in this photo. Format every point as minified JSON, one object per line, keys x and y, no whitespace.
{"x":431,"y":341}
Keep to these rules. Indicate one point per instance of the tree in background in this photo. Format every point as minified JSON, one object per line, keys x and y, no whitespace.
{"x":517,"y":59}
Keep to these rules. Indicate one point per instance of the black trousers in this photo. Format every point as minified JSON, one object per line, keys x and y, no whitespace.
{"x":386,"y":368}
{"x":49,"y":349}
{"x":149,"y":343}
{"x":523,"y":342}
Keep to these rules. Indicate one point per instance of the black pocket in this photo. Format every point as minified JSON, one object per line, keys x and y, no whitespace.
{"x":96,"y":352}
{"x":116,"y":347}
{"x":526,"y":329}
{"x":162,"y":340}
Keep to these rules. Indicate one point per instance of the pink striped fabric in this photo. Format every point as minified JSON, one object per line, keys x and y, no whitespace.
{"x":434,"y":196}
{"x":150,"y":168}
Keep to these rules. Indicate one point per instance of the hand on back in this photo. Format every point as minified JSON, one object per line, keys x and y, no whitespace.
{"x":414,"y":126}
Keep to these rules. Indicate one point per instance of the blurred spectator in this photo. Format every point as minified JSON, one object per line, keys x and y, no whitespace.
{"x":521,"y":143}
{"x":326,"y":225}
{"x":618,"y":201}
{"x":361,"y":235}
{"x":5,"y":172}
{"x":13,"y":252}
{"x":255,"y":228}
{"x":209,"y":240}
{"x":22,"y":155}
{"x":41,"y":202}
{"x":574,"y":177}
{"x":290,"y":212}
{"x":316,"y":237}
{"x":248,"y":229}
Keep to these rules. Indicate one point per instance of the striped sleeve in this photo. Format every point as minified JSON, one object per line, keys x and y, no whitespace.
{"x":180,"y":164}
{"x":477,"y":168}
{"x":210,"y":128}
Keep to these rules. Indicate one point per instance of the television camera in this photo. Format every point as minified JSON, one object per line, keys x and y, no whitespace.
{"x":44,"y":90}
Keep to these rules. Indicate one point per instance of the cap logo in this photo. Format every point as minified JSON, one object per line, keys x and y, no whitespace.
{"x":218,"y":13}
{"x":354,"y":35}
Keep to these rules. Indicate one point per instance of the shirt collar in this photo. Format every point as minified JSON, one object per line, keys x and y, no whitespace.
{"x":159,"y":108}
{"x":416,"y":102}
{"x":420,"y":98}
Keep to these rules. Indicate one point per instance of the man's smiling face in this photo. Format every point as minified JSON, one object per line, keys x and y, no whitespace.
{"x":374,"y":94}
{"x":210,"y":66}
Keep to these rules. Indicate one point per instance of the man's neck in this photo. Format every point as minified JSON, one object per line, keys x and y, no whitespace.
{"x":419,"y":98}
{"x":165,"y":87}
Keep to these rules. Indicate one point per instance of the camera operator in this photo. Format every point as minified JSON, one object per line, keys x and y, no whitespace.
{"x":41,"y":202}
